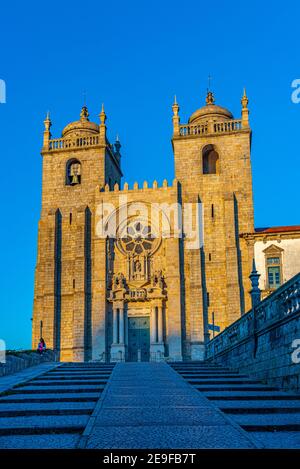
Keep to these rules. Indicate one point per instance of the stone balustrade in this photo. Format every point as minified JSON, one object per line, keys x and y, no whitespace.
{"x":71,"y":143}
{"x":19,"y":360}
{"x":232,"y":125}
{"x":228,"y":126}
{"x":261,"y":341}
{"x":198,"y":129}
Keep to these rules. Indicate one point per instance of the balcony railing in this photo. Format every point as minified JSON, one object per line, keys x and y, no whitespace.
{"x":233,"y":125}
{"x":227,"y":126}
{"x":187,"y":129}
{"x":67,"y":143}
{"x":283,"y":303}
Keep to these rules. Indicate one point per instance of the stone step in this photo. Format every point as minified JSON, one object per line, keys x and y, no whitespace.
{"x":200,"y":368}
{"x":233,"y":387}
{"x":67,"y":382}
{"x":37,"y":397}
{"x":52,"y":389}
{"x":27,"y":409}
{"x":35,"y":413}
{"x":46,"y":424}
{"x":194,"y":363}
{"x":248,"y":395}
{"x":187,"y":365}
{"x":278,"y":439}
{"x":268,"y":422}
{"x":46,"y":441}
{"x":79,"y":371}
{"x":77,"y":376}
{"x":259,"y":406}
{"x":219,"y":381}
{"x":260,"y":410}
{"x":212,"y":375}
{"x":83,"y":369}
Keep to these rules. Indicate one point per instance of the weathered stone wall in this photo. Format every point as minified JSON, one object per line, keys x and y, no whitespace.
{"x":261,"y":342}
{"x":227,"y":203}
{"x":72,"y":279}
{"x":18,"y":361}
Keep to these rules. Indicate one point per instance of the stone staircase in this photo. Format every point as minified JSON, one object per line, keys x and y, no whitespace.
{"x":53,"y":409}
{"x":272,"y":416}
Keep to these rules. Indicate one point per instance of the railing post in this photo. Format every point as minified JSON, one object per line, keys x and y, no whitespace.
{"x":255,"y":291}
{"x":255,"y":300}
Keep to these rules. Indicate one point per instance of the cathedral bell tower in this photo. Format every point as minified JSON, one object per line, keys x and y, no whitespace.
{"x":75,"y":166}
{"x":212,"y":165}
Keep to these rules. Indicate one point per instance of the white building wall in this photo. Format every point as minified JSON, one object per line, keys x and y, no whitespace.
{"x":290,"y":258}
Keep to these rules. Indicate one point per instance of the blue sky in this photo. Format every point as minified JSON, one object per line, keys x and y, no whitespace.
{"x":134,"y":56}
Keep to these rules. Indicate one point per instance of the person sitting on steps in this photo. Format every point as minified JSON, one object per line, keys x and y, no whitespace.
{"x":41,"y":346}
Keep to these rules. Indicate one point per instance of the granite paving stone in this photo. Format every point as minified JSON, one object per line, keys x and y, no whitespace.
{"x":23,"y":406}
{"x":168,"y":437}
{"x":49,"y":441}
{"x":46,"y":421}
{"x":264,"y":412}
{"x":7,"y":382}
{"x":278,"y":440}
{"x":148,"y":405}
{"x":44,"y":396}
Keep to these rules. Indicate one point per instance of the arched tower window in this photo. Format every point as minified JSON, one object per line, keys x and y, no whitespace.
{"x":210,"y":160}
{"x":73,"y":172}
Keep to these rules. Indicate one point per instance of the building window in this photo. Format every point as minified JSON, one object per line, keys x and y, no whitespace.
{"x":210,"y":160}
{"x":273,"y":261}
{"x":73,"y":172}
{"x":274,"y":277}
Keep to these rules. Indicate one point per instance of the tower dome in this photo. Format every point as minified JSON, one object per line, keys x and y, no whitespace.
{"x":82,"y":126}
{"x":210,"y":111}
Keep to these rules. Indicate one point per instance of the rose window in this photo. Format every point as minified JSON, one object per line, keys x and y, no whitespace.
{"x":138,"y":238}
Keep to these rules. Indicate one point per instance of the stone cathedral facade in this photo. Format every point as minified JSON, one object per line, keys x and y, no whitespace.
{"x":140,"y":294}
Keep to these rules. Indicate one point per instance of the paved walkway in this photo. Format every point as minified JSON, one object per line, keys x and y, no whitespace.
{"x":148,"y":405}
{"x":50,"y":406}
{"x":9,"y":381}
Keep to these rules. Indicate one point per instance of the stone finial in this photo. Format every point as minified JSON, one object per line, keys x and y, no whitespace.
{"x":102,"y":127}
{"x":84,"y":114}
{"x":176,"y":118}
{"x":165,"y":183}
{"x":47,"y":122}
{"x":126,"y":187}
{"x":47,"y":133}
{"x":155,"y":185}
{"x":102,"y":115}
{"x":117,"y":145}
{"x":245,"y":110}
{"x":255,"y":291}
{"x":210,"y":98}
{"x":145,"y":185}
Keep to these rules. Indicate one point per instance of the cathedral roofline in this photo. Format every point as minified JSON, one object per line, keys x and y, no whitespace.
{"x":278,"y":229}
{"x":273,"y":232}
